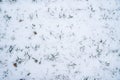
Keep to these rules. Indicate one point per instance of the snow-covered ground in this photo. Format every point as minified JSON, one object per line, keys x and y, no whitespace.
{"x":59,"y":39}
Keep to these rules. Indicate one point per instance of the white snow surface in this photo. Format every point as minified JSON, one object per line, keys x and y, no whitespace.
{"x":59,"y":39}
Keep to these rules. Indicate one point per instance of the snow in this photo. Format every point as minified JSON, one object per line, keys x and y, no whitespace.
{"x":59,"y":40}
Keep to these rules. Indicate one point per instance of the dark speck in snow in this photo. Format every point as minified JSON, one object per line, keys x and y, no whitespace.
{"x":14,"y":0}
{"x":33,"y":0}
{"x":15,"y":64}
{"x":119,"y":54}
{"x":11,"y":49}
{"x":60,"y":37}
{"x":100,"y":41}
{"x":35,"y":60}
{"x":7,"y":17}
{"x":28,"y":74}
{"x":50,"y":33}
{"x":33,"y":25}
{"x":22,"y":79}
{"x":70,"y":16}
{"x":40,"y":62}
{"x":20,"y":20}
{"x":35,"y":33}
{"x":29,"y":37}
{"x":19,"y":60}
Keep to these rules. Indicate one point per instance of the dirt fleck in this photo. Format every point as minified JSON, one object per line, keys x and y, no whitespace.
{"x":15,"y":64}
{"x":20,"y":20}
{"x":35,"y":33}
{"x":28,"y":74}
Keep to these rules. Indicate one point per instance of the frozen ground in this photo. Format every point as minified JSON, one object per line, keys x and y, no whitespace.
{"x":60,"y":40}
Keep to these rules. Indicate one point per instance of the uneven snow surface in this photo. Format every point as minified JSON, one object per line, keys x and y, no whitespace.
{"x":59,"y":39}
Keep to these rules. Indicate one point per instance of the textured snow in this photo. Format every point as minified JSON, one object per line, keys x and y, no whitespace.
{"x":59,"y":39}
